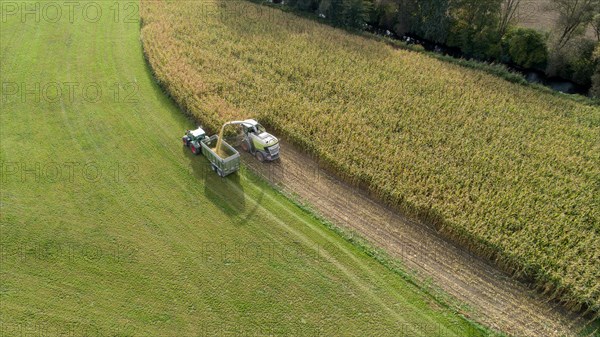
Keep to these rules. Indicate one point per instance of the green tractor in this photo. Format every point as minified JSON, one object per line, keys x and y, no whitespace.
{"x":257,"y":141}
{"x":193,"y":140}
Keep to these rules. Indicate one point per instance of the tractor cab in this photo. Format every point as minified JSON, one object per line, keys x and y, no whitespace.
{"x":196,"y":135}
{"x":192,"y":139}
{"x":252,"y":126}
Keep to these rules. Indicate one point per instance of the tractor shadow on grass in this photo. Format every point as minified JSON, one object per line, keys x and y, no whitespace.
{"x":225,"y":193}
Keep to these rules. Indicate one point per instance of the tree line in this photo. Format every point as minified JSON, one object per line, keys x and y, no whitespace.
{"x":485,"y":30}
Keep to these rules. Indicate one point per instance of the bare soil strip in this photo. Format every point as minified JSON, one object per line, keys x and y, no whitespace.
{"x":493,"y":297}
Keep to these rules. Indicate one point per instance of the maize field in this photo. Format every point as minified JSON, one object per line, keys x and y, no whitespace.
{"x":511,"y":172}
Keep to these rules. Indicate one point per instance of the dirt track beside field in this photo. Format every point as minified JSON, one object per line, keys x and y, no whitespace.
{"x":493,"y":297}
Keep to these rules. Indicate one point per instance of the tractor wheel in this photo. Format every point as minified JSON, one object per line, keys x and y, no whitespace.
{"x":185,"y":142}
{"x":259,"y":156}
{"x":245,"y":146}
{"x":195,"y":150}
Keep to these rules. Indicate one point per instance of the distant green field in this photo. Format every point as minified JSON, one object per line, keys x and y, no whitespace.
{"x":109,"y":227}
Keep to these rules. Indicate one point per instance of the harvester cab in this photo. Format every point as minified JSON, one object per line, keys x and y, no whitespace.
{"x":256,"y":140}
{"x":192,"y":139}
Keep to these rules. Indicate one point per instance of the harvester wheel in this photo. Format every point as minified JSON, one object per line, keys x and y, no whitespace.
{"x":245,"y":146}
{"x":259,"y":156}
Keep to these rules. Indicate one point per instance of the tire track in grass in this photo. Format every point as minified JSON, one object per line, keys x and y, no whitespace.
{"x":357,"y":280}
{"x":372,"y":274}
{"x":305,"y":239}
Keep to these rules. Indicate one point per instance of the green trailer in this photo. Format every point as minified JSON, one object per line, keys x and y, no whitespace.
{"x":200,"y":143}
{"x":223,"y":166}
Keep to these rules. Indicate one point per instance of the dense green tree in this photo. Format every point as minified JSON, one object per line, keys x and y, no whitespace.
{"x":305,"y":5}
{"x":384,"y":14}
{"x":574,"y":62}
{"x":430,"y":19}
{"x":595,"y":90}
{"x":346,"y":13}
{"x":584,"y":64}
{"x":474,"y":27}
{"x":526,"y":47}
{"x":357,"y":12}
{"x":333,"y":10}
{"x":394,"y":15}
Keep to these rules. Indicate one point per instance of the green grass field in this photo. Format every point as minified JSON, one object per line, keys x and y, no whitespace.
{"x":109,"y":227}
